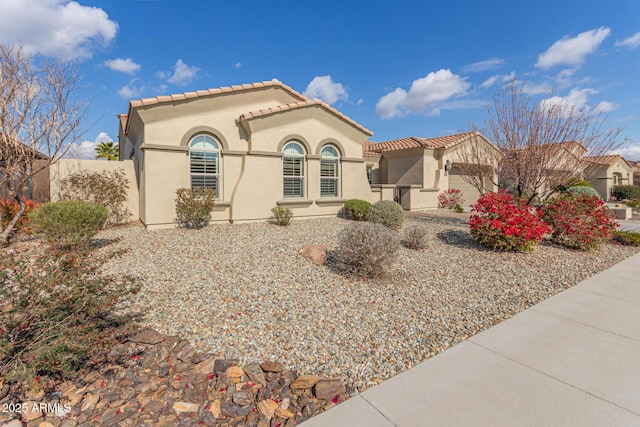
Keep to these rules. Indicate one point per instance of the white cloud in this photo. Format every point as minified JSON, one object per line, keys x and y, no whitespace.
{"x":132,"y":90}
{"x":577,"y":99}
{"x":183,"y":74}
{"x":122,"y":65}
{"x":360,"y":101}
{"x":630,"y":42}
{"x":572,"y":51}
{"x":87,"y":149}
{"x":629,"y":151}
{"x":502,"y":78}
{"x":237,"y":65}
{"x":536,"y":88}
{"x":324,"y":88}
{"x":426,"y":96}
{"x":57,"y":28}
{"x":487,"y":65}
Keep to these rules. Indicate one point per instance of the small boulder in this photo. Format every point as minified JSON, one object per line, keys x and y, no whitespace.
{"x":316,"y":253}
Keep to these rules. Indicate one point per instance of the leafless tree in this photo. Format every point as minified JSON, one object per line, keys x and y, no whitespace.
{"x":39,"y":120}
{"x":543,"y":143}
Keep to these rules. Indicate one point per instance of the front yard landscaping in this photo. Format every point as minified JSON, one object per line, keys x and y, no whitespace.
{"x":243,"y":291}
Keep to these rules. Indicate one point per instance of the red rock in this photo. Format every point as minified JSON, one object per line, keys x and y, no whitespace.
{"x":316,"y":253}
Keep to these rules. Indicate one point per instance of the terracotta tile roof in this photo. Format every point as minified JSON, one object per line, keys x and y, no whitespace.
{"x":302,"y":104}
{"x":368,"y":149}
{"x":123,"y":120}
{"x":415,"y":142}
{"x":214,"y":91}
{"x":603,"y":160}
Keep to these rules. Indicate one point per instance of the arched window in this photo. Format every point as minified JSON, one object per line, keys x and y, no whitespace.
{"x":617,"y":178}
{"x":293,"y":170}
{"x":329,"y":176}
{"x":204,"y":163}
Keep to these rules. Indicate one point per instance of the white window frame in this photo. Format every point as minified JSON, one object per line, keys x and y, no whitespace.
{"x":327,"y":158}
{"x":293,"y":153}
{"x":209,"y":173}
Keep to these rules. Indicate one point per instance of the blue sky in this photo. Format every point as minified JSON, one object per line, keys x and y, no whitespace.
{"x":399,"y":68}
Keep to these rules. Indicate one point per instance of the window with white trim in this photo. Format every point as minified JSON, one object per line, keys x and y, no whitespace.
{"x":293,"y":170}
{"x":204,"y":163}
{"x":329,"y":177}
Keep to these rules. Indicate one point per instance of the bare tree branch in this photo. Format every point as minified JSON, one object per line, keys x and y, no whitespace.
{"x":542,"y":144}
{"x":39,"y":120}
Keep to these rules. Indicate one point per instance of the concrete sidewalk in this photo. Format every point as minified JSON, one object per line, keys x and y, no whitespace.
{"x":629,"y":225}
{"x":572,"y":360}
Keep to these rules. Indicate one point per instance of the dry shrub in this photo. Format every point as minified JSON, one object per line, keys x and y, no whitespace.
{"x":414,"y":237}
{"x":106,"y":188}
{"x":367,"y":249}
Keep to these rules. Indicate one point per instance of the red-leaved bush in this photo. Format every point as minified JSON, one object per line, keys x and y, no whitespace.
{"x":499,"y":222}
{"x":578,"y":222}
{"x":8,"y":209}
{"x":449,"y":198}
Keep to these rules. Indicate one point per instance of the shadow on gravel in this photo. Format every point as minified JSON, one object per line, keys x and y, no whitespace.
{"x":459,"y":238}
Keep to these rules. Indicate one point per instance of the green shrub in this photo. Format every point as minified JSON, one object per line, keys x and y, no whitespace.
{"x":579,"y":190}
{"x":623,"y":192}
{"x":578,"y":222}
{"x":68,"y":224}
{"x":459,"y":209}
{"x":57,"y":315}
{"x":414,"y":237}
{"x":366,"y":249}
{"x":627,"y":238}
{"x":107,"y":188}
{"x":281,"y":215}
{"x":193,"y":206}
{"x":633,"y":203}
{"x":357,"y":209}
{"x":578,"y":183}
{"x":388,"y":213}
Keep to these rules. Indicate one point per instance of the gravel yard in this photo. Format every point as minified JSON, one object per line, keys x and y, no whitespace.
{"x":243,"y":291}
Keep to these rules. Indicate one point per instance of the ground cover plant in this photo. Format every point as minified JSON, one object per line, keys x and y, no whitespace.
{"x":56,"y":317}
{"x":578,"y":222}
{"x":580,"y":190}
{"x":415,"y":237}
{"x":500,"y":222}
{"x":627,"y":238}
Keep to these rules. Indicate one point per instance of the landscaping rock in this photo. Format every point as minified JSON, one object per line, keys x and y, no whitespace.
{"x":271,"y":366}
{"x":140,"y":389}
{"x":304,"y":381}
{"x":316,"y":253}
{"x":327,"y":390}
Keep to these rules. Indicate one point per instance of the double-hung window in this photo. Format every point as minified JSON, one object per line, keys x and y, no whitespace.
{"x":204,"y":163}
{"x":329,"y":176}
{"x":293,"y":170}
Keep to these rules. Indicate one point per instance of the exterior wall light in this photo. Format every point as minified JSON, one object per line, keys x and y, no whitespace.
{"x":447,"y":167}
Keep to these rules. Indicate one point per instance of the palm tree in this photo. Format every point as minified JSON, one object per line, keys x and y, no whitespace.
{"x":107,"y":150}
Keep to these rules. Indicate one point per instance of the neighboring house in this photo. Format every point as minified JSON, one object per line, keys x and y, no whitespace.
{"x":540,"y":167}
{"x":256,"y":145}
{"x":418,"y":169}
{"x":636,"y":170}
{"x":37,"y":186}
{"x":604,"y":172}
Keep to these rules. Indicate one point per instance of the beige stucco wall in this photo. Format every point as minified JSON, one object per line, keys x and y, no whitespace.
{"x":65,"y":167}
{"x":251,"y":157}
{"x":601,"y":176}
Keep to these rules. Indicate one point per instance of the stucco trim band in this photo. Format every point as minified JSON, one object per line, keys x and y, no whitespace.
{"x":294,"y":202}
{"x":159,"y":147}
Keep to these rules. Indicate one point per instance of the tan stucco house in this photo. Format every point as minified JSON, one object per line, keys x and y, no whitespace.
{"x":417,"y":169}
{"x":264,"y":144}
{"x":605,"y":172}
{"x":257,"y":145}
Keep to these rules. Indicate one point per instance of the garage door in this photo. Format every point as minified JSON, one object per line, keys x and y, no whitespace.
{"x":469,"y":192}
